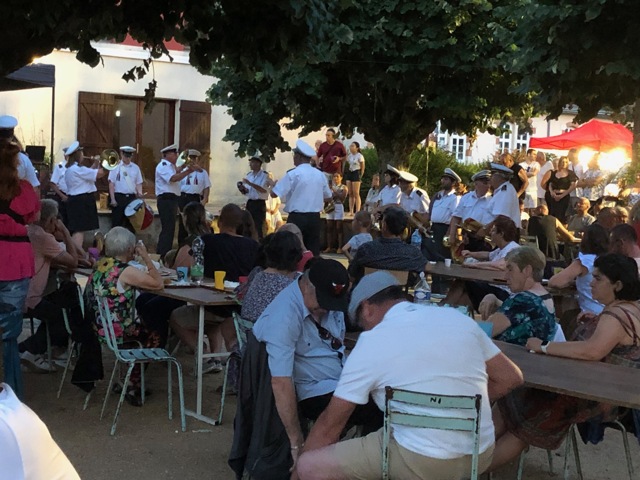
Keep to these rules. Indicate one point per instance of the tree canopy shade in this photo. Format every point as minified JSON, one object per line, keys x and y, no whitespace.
{"x":582,"y":52}
{"x":392,"y":68}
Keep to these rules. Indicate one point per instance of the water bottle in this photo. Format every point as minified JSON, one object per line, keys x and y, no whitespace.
{"x":416,"y":239}
{"x":197,"y":252}
{"x":422,"y":291}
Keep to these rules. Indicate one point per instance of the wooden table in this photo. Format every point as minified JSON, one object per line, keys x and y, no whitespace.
{"x":466,"y":273}
{"x":598,"y":381}
{"x":204,"y":296}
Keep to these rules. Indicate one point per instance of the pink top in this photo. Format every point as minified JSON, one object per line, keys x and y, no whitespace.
{"x":16,"y":258}
{"x":45,"y":249}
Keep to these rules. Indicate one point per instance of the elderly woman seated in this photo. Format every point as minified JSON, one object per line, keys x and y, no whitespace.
{"x":116,"y":281}
{"x":504,"y":235}
{"x":527,"y":416}
{"x":529,"y":311}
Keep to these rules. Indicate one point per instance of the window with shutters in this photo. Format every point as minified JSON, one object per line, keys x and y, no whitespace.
{"x":195,"y":129}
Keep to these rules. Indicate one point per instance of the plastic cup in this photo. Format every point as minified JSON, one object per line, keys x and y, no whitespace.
{"x":447,"y":262}
{"x":218,"y":278}
{"x":183,"y":274}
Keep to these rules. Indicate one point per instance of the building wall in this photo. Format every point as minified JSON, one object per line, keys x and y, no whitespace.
{"x":176,"y":80}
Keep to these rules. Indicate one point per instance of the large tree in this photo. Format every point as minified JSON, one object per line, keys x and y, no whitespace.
{"x":392,"y":69}
{"x":581,"y":52}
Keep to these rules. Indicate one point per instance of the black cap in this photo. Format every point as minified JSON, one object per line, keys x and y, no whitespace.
{"x":331,"y":281}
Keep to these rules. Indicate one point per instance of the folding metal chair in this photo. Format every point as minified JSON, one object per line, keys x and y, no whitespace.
{"x":131,"y":357}
{"x":470,"y":423}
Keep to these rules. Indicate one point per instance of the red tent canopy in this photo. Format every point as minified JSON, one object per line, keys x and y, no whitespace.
{"x":595,"y":134}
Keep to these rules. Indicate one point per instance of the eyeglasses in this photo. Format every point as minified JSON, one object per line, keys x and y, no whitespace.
{"x":325,"y":334}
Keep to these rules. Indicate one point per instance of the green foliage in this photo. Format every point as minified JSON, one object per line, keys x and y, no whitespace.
{"x":372,"y":165}
{"x":430,"y":163}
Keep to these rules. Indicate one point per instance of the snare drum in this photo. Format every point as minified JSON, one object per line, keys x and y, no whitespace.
{"x":139,"y":214}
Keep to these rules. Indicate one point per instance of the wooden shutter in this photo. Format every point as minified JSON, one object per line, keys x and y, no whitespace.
{"x":96,"y":117}
{"x":195,"y":129}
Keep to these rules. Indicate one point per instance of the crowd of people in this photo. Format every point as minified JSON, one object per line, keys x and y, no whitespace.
{"x":298,"y":385}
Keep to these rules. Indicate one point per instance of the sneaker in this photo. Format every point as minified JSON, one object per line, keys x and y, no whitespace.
{"x":36,"y":363}
{"x":211,"y":365}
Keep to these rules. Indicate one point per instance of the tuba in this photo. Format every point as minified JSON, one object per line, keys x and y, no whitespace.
{"x":109,"y":159}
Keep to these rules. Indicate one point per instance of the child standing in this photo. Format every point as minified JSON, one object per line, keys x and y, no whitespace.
{"x":334,"y":218}
{"x":360,"y":225}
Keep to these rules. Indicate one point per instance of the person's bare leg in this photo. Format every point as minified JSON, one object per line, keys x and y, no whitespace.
{"x":508,"y":447}
{"x":330,"y":227}
{"x":188,"y":336}
{"x":339,"y":235}
{"x":454,"y":294}
{"x":216,"y":342}
{"x":78,"y":238}
{"x":349,"y":186}
{"x":228,"y":332}
{"x":355,"y":196}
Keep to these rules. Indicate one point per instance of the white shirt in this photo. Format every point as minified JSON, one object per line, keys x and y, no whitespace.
{"x":472,"y":206}
{"x":531,"y":170}
{"x":387,"y":355}
{"x":303,"y":189}
{"x":579,"y":171}
{"x":80,"y":179}
{"x":164,"y":171}
{"x":390,"y":195}
{"x":444,"y":204}
{"x":416,"y":201}
{"x":260,"y":178}
{"x":504,"y":202}
{"x":195,"y":182}
{"x":27,"y":450}
{"x":543,"y":171}
{"x":125,"y":178}
{"x":355,"y":160}
{"x":57,"y":176}
{"x":26,"y":170}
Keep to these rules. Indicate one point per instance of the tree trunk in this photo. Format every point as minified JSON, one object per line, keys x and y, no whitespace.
{"x":635,"y":147}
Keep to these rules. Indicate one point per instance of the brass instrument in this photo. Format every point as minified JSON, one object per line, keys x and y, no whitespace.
{"x":109,"y":159}
{"x":183,"y":159}
{"x":415,"y":223}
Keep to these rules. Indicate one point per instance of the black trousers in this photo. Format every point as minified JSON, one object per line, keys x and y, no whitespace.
{"x":309,"y":225}
{"x":118,"y":218}
{"x":168,"y":210}
{"x":368,"y":415}
{"x":184,"y":199}
{"x":51,"y":316}
{"x":258,"y":211}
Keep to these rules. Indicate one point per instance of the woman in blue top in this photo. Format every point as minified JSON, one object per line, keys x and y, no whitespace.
{"x":529,"y":311}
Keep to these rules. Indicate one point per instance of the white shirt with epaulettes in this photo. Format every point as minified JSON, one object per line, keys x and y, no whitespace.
{"x":164,"y":171}
{"x":80,"y":179}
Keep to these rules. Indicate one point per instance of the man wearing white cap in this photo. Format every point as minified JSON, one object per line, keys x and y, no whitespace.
{"x":504,"y":200}
{"x":473,"y":206}
{"x":195,"y":187}
{"x":25,"y":167}
{"x":304,"y":189}
{"x":446,"y":353}
{"x":168,"y":194}
{"x":413,"y":199}
{"x":125,"y":185}
{"x":255,"y":186}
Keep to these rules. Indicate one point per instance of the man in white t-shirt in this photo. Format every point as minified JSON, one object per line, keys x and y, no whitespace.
{"x":446,"y":353}
{"x":531,"y":167}
{"x":545,"y":166}
{"x":27,"y":451}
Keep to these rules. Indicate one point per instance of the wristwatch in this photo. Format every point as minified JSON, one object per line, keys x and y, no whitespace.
{"x":544,"y":345}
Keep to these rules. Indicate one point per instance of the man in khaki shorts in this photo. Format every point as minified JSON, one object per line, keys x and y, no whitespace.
{"x":413,"y":347}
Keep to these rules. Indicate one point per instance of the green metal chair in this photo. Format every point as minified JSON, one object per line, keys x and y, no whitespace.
{"x":131,"y":357}
{"x":470,"y":423}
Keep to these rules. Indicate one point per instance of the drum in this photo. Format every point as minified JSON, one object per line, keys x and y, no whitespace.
{"x":139,"y":214}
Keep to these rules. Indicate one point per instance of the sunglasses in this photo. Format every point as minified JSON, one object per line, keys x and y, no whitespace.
{"x":325,"y":334}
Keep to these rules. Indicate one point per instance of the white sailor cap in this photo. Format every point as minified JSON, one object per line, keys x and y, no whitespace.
{"x":392,"y":169}
{"x":194,"y":153}
{"x":407,"y":177}
{"x":481,"y":175}
{"x":303,"y":148}
{"x":451,"y":174}
{"x":170,"y":148}
{"x":8,"y":122}
{"x":127,"y":149}
{"x":256,"y":158}
{"x":501,"y":169}
{"x":74,"y":147}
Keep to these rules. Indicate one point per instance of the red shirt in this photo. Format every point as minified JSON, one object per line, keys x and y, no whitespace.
{"x":328,"y":153}
{"x":17,"y":258}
